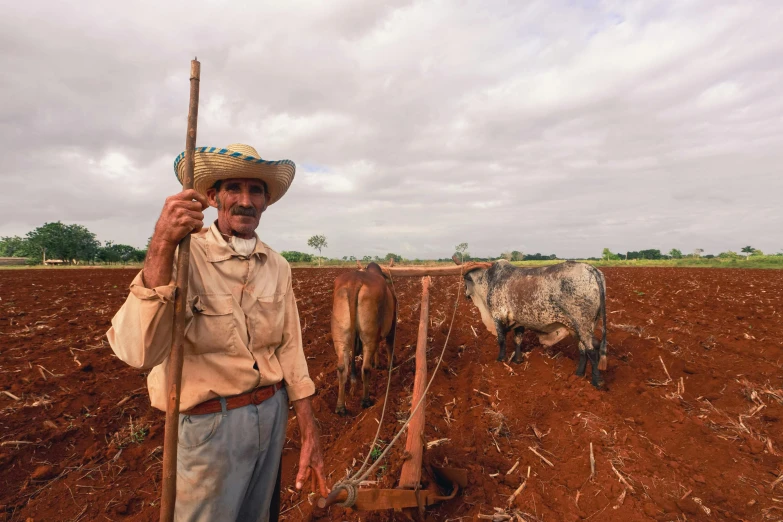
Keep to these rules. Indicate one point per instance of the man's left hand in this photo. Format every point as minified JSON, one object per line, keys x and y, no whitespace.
{"x":311,"y":459}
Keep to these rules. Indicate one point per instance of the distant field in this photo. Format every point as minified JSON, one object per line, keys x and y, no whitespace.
{"x":753,"y":262}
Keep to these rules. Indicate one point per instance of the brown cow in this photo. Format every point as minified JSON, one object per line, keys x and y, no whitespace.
{"x":364,"y":312}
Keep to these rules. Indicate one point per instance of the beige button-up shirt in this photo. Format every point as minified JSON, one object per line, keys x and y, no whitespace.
{"x":241,"y":328}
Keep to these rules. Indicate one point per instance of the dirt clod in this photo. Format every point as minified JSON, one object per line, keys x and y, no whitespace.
{"x":43,"y":473}
{"x":755,"y":446}
{"x":689,"y":506}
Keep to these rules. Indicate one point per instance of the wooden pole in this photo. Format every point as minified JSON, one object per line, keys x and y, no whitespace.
{"x":174,"y":377}
{"x":410,"y":475}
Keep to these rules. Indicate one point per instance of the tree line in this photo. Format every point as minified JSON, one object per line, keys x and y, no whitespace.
{"x":319,"y":242}
{"x":676,"y":253}
{"x":67,"y":243}
{"x":75,"y":243}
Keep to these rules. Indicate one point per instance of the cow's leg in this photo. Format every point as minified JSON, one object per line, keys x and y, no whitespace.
{"x":342,"y":378}
{"x":344,"y":355}
{"x":370,"y":349}
{"x":580,"y":368}
{"x":595,"y":358}
{"x":343,"y":337}
{"x":595,"y":362}
{"x":588,"y":351}
{"x":501,"y":331}
{"x":580,"y":334}
{"x":389,"y":354}
{"x":519,"y":332}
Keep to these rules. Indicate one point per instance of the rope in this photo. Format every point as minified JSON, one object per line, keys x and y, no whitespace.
{"x":353,"y":492}
{"x":353,"y":481}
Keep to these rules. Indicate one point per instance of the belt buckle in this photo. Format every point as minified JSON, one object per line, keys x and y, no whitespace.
{"x":255,"y":396}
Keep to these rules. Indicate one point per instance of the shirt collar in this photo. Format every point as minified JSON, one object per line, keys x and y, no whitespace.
{"x":218,"y":248}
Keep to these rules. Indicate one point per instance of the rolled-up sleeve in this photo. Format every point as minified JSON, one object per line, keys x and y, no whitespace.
{"x":290,"y":353}
{"x":140,"y":334}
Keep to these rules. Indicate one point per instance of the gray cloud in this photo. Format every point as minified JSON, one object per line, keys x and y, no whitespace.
{"x":558,"y":127}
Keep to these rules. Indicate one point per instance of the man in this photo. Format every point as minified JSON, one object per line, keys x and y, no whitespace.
{"x":243,"y":343}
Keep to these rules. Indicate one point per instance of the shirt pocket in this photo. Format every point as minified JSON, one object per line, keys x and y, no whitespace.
{"x":212,"y":328}
{"x":268,"y":321}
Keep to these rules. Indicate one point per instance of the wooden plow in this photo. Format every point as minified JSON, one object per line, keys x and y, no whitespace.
{"x":408,"y":496}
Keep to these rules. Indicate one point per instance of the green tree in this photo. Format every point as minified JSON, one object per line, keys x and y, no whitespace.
{"x":395,"y":257}
{"x":317,"y":242}
{"x":608,"y":255}
{"x":296,"y":257}
{"x":651,"y":253}
{"x":66,"y":242}
{"x":748,"y":251}
{"x":118,"y":253}
{"x":367,"y":259}
{"x":538,"y":256}
{"x":675,"y":253}
{"x":15,"y":246}
{"x":461,"y":250}
{"x":516,"y":255}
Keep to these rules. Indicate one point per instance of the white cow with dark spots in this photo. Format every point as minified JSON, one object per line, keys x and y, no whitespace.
{"x":553,"y":301}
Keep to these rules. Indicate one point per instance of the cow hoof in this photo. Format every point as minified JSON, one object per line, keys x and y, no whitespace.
{"x":366,"y":403}
{"x":341,"y":411}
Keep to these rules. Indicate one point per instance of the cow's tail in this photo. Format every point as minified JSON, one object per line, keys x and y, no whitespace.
{"x":353,"y":305}
{"x":602,"y":363}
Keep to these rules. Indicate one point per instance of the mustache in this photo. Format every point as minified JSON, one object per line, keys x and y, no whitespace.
{"x":237,"y":210}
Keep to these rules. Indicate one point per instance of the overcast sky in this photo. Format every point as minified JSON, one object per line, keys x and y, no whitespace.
{"x":555,"y":126}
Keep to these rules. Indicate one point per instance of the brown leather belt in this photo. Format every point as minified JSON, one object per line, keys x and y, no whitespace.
{"x":256,"y":396}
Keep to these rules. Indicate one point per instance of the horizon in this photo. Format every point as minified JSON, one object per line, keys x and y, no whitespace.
{"x":469,"y":255}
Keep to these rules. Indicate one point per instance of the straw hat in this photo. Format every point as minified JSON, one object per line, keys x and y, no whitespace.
{"x":212,"y":164}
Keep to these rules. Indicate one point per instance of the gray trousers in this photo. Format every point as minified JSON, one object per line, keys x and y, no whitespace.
{"x":227,"y":462}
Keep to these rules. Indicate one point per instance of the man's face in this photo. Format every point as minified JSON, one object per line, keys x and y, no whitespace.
{"x":240,"y":203}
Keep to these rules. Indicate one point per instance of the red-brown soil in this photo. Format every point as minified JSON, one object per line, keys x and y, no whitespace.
{"x":89,"y":444}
